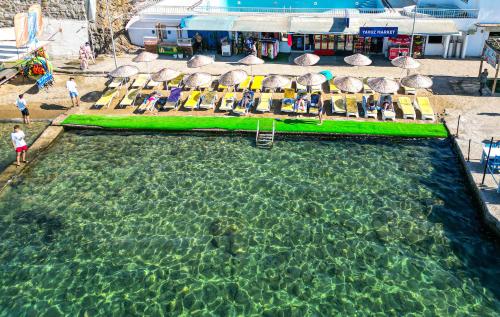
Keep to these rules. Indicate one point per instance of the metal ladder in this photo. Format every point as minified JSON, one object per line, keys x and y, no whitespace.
{"x":264,"y":139}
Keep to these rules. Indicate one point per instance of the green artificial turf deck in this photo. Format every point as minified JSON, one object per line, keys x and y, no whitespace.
{"x":401,"y":129}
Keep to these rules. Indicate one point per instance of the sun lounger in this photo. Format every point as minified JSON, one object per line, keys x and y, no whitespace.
{"x":173,"y":99}
{"x":316,"y":104}
{"x":338,"y":104}
{"x":299,"y":87}
{"x":386,"y":114}
{"x":152,"y":84}
{"x":257,"y":83}
{"x":366,"y":88}
{"x":333,"y":88}
{"x":222,"y":87}
{"x":351,"y":106}
{"x":193,"y":100}
{"x":369,"y":113}
{"x":317,"y":88}
{"x":408,"y":111}
{"x":424,"y":106}
{"x":288,"y":102}
{"x":140,"y":81}
{"x":176,"y":82}
{"x":239,"y":109}
{"x":116,"y":83}
{"x":302,"y":108}
{"x":206,"y":86}
{"x":409,"y":91}
{"x":106,"y":98}
{"x":129,"y":98}
{"x":287,"y":86}
{"x":208,"y":100}
{"x":265,"y":102}
{"x":245,"y":84}
{"x":227,"y":102}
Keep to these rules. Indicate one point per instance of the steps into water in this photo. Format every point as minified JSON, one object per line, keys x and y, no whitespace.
{"x":264,"y":139}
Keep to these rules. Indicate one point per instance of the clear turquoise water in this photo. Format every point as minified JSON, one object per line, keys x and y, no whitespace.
{"x":7,"y":153}
{"x":152,"y":225}
{"x":310,"y":4}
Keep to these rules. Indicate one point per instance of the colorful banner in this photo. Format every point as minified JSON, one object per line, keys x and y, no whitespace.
{"x":21,"y":29}
{"x":490,"y":56}
{"x":36,"y":8}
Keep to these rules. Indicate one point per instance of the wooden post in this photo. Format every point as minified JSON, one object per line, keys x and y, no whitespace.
{"x":482,"y":61}
{"x":493,"y":89}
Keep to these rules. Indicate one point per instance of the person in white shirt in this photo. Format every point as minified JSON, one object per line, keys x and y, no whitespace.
{"x":21,"y":105}
{"x":19,"y":144}
{"x":73,"y":92}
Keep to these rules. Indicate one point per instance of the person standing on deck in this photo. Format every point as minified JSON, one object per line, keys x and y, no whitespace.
{"x":198,"y":41}
{"x":19,"y":144}
{"x":89,"y":53}
{"x":21,"y":105}
{"x":73,"y":92}
{"x":483,"y":79}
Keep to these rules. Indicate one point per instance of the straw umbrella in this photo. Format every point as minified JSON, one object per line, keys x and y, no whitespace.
{"x":197,"y":79}
{"x":306,"y":59}
{"x":405,"y":62}
{"x":145,"y":57}
{"x":383,"y":85}
{"x":358,"y":60}
{"x":311,"y":79}
{"x":199,"y":61}
{"x":165,"y":75}
{"x":233,"y":77}
{"x":348,"y":83}
{"x":251,"y":60}
{"x":124,"y":71}
{"x":417,"y":81}
{"x":275,"y":81}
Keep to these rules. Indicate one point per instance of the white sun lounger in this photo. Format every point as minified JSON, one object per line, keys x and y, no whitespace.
{"x":338,"y":104}
{"x":369,"y":113}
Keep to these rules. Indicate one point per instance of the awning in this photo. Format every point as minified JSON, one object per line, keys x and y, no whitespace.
{"x":491,"y":27}
{"x":207,"y":23}
{"x":317,"y":25}
{"x":260,"y":24}
{"x":422,"y":27}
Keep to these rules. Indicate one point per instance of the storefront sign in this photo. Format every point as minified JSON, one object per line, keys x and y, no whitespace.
{"x":490,"y":56}
{"x":398,"y":51}
{"x":378,"y":31}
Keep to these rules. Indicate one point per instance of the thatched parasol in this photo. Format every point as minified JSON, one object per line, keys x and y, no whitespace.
{"x":124,"y":71}
{"x":417,"y":81}
{"x":358,"y":60}
{"x":145,"y":57}
{"x":383,"y":85}
{"x":165,"y":74}
{"x":306,"y":59}
{"x":199,"y":61}
{"x":275,"y":81}
{"x":197,"y":79}
{"x":251,"y":60}
{"x":233,"y":77}
{"x":311,"y":79}
{"x":348,"y":83}
{"x":405,"y":62}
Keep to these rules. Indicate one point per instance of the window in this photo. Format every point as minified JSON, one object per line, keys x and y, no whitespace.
{"x":435,"y":39}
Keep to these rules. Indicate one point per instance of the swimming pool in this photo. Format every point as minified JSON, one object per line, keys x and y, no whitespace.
{"x":309,"y":4}
{"x":151,"y":224}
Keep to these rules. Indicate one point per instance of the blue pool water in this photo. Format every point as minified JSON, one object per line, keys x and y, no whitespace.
{"x":309,"y":4}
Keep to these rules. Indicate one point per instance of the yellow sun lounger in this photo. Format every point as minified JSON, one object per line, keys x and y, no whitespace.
{"x":408,"y":111}
{"x":257,"y":83}
{"x":176,"y":82}
{"x":288,"y":102}
{"x":106,"y":98}
{"x":140,"y":81}
{"x":409,"y":90}
{"x":130,"y":97}
{"x":314,"y":106}
{"x":227,"y":102}
{"x":116,"y":83}
{"x":245,"y":84}
{"x":424,"y":106}
{"x":221,"y":86}
{"x":338,"y":104}
{"x":352,"y":106}
{"x":193,"y":100}
{"x":333,"y":87}
{"x":265,"y":102}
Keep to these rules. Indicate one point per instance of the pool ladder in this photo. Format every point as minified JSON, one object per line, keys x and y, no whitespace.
{"x":264,"y":139}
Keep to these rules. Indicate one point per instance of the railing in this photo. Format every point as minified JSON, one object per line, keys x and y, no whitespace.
{"x":424,"y":13}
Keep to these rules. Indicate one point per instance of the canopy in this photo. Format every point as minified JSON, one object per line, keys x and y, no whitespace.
{"x":165,"y":74}
{"x":261,"y":24}
{"x":405,"y":62}
{"x":358,"y":60}
{"x":306,"y":59}
{"x":311,"y":79}
{"x":348,"y":83}
{"x":251,"y":60}
{"x":275,"y":81}
{"x":197,"y":79}
{"x":145,"y":57}
{"x":417,"y":81}
{"x":207,"y":23}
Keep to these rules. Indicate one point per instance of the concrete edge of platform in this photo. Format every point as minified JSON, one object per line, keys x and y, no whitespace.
{"x":44,"y":140}
{"x":488,"y":217}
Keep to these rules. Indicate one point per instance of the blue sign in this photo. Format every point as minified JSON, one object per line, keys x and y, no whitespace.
{"x":378,"y":31}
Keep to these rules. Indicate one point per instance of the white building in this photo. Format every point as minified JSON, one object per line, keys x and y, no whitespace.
{"x":447,"y":28}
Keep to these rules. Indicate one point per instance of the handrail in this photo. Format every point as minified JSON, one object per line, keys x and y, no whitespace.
{"x":258,"y":128}
{"x":272,"y":139}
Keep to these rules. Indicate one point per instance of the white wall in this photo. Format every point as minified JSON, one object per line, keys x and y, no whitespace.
{"x":138,"y":28}
{"x":476,"y":43}
{"x":66,"y":43}
{"x":433,"y":49}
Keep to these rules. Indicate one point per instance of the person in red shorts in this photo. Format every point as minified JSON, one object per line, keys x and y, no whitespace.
{"x":19,"y":144}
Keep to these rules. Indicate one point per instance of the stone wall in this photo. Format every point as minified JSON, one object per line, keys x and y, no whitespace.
{"x":56,"y":9}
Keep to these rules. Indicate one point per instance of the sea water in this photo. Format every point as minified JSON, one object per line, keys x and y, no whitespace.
{"x":152,"y":225}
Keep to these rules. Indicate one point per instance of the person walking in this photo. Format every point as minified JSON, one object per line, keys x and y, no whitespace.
{"x":19,"y":144}
{"x":73,"y":92}
{"x":89,"y":53}
{"x":483,"y":79}
{"x":21,"y":105}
